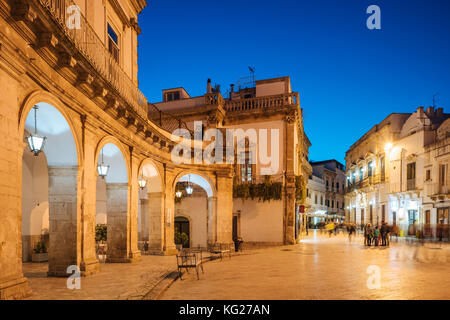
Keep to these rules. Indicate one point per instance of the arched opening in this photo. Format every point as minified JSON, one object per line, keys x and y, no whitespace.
{"x":49,"y":191}
{"x":194,"y":198}
{"x":111,"y":204}
{"x":182,"y":232}
{"x":150,"y":209}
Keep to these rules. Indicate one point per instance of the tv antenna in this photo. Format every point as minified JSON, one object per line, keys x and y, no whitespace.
{"x":252,"y":71}
{"x":435,"y":99}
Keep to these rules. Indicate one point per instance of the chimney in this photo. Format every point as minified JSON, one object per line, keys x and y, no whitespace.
{"x":209,"y":87}
{"x":231,"y":91}
{"x":420,"y":111}
{"x":439,"y":113}
{"x":430,"y":112}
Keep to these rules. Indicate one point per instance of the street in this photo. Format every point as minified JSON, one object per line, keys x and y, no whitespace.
{"x":323,"y":268}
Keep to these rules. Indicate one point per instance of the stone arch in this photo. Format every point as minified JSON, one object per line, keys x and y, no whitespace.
{"x":204,"y":176}
{"x":125,"y":153}
{"x":41,"y":96}
{"x":150,"y":204}
{"x":204,"y":222}
{"x":63,"y":174}
{"x":114,"y":192}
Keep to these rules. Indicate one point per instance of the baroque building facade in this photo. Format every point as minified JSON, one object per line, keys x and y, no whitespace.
{"x":266,"y":120}
{"x":396,"y":173}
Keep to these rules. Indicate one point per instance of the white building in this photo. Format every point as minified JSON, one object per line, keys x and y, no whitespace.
{"x":387,"y":170}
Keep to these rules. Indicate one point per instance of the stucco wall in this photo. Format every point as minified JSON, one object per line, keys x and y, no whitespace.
{"x":194,"y":209}
{"x":260,"y":221}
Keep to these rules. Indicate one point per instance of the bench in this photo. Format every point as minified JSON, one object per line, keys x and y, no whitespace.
{"x":189,"y":260}
{"x":220,"y":249}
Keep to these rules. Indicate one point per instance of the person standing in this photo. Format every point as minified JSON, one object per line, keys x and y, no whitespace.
{"x":384,"y":231}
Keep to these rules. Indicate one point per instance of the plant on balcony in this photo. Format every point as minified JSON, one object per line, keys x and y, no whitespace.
{"x":265,"y":191}
{"x":101,"y":231}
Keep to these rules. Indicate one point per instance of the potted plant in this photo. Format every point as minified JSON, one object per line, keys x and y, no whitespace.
{"x":40,"y":253}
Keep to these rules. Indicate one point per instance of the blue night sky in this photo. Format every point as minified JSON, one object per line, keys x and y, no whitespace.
{"x":349,"y":78}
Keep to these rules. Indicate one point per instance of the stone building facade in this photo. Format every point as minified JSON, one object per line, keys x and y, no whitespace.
{"x":263,"y":107}
{"x":76,"y":61}
{"x":330,"y":174}
{"x":397,"y":172}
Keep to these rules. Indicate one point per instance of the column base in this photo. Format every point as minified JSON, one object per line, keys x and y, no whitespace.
{"x":135,"y":256}
{"x":89,"y":267}
{"x":15,"y":289}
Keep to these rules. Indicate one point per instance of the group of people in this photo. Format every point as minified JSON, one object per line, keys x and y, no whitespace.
{"x":378,"y":235}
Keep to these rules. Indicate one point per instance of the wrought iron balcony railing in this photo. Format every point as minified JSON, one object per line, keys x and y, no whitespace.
{"x":88,"y":43}
{"x":366,"y":182}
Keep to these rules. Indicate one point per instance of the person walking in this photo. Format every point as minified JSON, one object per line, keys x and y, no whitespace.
{"x":384,"y":232}
{"x":367,"y":235}
{"x":376,"y":234}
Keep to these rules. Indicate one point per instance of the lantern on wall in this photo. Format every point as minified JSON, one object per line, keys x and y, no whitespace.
{"x":102,"y":169}
{"x":36,"y":142}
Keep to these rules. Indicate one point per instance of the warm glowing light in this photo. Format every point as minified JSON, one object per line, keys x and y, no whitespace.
{"x":189,"y":190}
{"x":388,"y":146}
{"x":178,"y":194}
{"x":142,"y":183}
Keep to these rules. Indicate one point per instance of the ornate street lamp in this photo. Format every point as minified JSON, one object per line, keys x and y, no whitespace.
{"x":178,"y":194}
{"x":189,"y":188}
{"x":142,"y":182}
{"x":102,"y":169}
{"x":35,"y":142}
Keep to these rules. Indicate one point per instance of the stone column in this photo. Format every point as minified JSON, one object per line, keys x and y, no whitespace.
{"x":89,"y":262}
{"x":224,"y":208}
{"x":134,"y":252}
{"x":289,"y":211}
{"x":169,"y":223}
{"x":62,"y":191}
{"x":212,"y":220}
{"x":144,"y":209}
{"x":156,"y":222}
{"x":117,"y":230}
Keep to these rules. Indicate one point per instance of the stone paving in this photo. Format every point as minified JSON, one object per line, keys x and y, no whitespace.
{"x":323,"y":268}
{"x":114,"y":282}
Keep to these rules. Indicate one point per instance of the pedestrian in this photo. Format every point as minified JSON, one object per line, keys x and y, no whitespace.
{"x":376,"y":234}
{"x":367,"y":235}
{"x":384,"y":232}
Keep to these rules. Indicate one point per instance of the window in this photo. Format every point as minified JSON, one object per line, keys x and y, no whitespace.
{"x":411,"y":171}
{"x":247,"y":167}
{"x":428,"y":176}
{"x":411,"y":176}
{"x":337,"y":205}
{"x":442,"y":174}
{"x":315,"y":199}
{"x":327,"y":203}
{"x":321,"y":200}
{"x":332,"y":203}
{"x":353,"y":177}
{"x":172,"y":96}
{"x":370,"y":168}
{"x":113,"y":43}
{"x":361,"y":174}
{"x":337,"y":186}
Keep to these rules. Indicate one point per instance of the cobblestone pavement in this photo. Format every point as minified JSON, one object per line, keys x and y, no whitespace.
{"x":114,"y":282}
{"x":323,"y":268}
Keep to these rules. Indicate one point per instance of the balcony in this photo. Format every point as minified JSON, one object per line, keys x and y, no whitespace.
{"x":89,"y":45}
{"x":262,"y":103}
{"x":367,"y":182}
{"x":437,"y":191}
{"x":411,"y":184}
